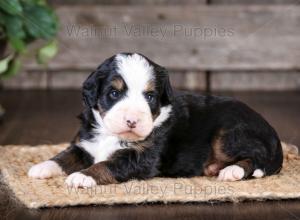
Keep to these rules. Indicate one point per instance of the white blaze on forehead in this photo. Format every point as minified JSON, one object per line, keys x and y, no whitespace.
{"x":135,"y":70}
{"x":137,"y":73}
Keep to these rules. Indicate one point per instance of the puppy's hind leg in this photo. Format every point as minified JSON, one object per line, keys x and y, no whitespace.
{"x":246,"y":156}
{"x":241,"y":169}
{"x":237,"y":171}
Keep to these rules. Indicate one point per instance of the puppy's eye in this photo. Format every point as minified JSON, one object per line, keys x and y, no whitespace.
{"x":114,"y":94}
{"x":149,"y":97}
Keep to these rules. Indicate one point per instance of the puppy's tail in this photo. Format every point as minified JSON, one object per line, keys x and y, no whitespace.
{"x":289,"y":148}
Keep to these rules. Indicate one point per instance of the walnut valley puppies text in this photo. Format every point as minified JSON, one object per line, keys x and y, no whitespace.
{"x":160,"y":32}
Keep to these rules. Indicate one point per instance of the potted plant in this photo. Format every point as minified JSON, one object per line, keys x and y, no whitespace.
{"x":23,"y":22}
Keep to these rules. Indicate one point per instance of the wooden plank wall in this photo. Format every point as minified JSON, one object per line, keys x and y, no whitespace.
{"x":240,"y":45}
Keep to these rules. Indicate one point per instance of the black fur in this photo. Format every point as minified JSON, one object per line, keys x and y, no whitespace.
{"x":183,"y":145}
{"x":247,"y":136}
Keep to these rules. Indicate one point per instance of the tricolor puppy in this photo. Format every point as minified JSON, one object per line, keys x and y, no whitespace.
{"x":135,"y":127}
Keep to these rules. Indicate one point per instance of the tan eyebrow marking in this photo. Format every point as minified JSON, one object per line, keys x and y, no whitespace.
{"x":150,"y":86}
{"x":118,"y":84}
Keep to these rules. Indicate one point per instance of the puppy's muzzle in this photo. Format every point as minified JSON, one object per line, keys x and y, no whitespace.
{"x":130,"y":124}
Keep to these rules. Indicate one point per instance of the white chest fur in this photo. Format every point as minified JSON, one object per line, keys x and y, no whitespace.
{"x":101,"y":147}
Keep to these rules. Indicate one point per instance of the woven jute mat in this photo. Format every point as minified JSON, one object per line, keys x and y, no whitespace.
{"x":16,"y":160}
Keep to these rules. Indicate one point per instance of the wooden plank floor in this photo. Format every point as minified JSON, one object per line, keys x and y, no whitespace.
{"x":48,"y":117}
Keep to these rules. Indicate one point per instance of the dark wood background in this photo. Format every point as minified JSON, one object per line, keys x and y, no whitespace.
{"x":233,"y":44}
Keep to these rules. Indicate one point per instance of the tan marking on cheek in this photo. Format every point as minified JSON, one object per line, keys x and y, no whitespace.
{"x":118,"y":84}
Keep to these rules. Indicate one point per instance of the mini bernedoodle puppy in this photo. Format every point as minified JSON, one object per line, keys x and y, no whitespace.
{"x":135,"y":127}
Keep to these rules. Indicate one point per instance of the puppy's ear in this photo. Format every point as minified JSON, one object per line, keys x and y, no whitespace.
{"x":91,"y":85}
{"x":167,"y":91}
{"x":91,"y":88}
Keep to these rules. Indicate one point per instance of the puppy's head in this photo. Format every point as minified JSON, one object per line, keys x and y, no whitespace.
{"x":129,"y":95}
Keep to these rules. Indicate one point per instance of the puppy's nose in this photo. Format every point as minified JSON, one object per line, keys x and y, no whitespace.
{"x":131,"y":123}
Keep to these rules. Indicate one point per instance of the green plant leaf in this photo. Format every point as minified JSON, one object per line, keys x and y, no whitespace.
{"x":14,"y":32}
{"x":13,"y":67}
{"x":21,"y":23}
{"x":46,"y":53}
{"x":40,"y":21}
{"x":2,"y":18}
{"x":4,"y":64}
{"x":38,"y":2}
{"x":14,"y":26}
{"x":12,"y":7}
{"x":17,"y":43}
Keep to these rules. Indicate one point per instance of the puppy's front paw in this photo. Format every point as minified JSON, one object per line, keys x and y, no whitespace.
{"x":78,"y":179}
{"x":231,"y":173}
{"x":45,"y":170}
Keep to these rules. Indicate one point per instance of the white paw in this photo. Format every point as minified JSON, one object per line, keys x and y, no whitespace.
{"x":78,"y":179}
{"x":258,"y":173}
{"x":45,"y":170}
{"x":231,"y":173}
